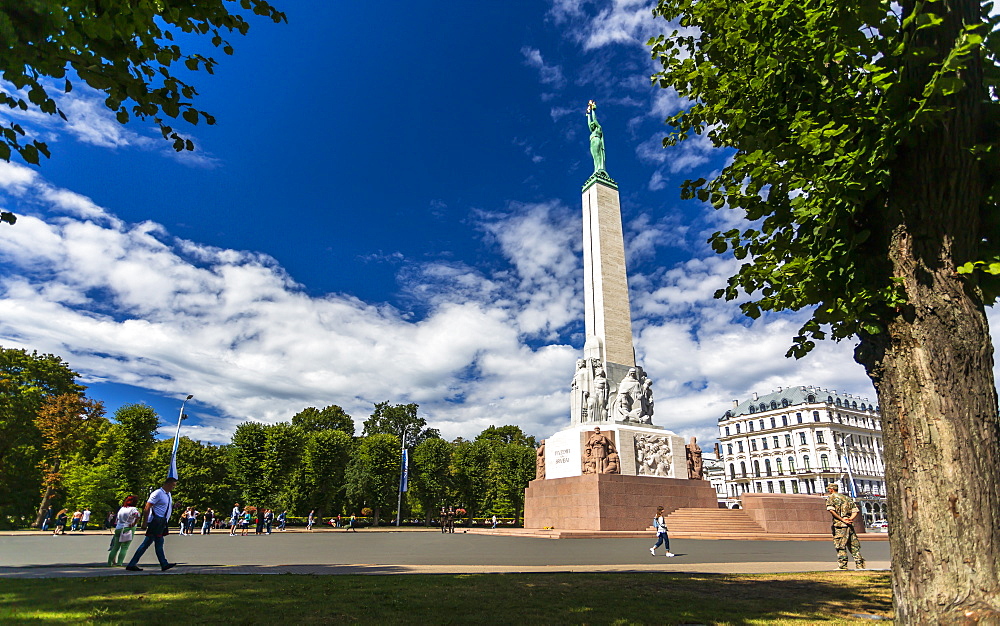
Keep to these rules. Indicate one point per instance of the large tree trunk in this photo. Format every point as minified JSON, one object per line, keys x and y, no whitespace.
{"x":50,"y":492}
{"x":933,"y":369}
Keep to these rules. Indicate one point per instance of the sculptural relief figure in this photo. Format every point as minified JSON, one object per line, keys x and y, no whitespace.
{"x":614,"y":465}
{"x":588,"y":462}
{"x":540,"y":461}
{"x":596,"y":137}
{"x":693,"y":453}
{"x":600,"y":391}
{"x":627,"y":406}
{"x":591,"y":410}
{"x":652,"y":455}
{"x":646,"y":400}
{"x":579,"y":388}
{"x":598,"y":447}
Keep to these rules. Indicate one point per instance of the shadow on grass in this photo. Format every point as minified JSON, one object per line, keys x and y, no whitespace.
{"x":620,"y":598}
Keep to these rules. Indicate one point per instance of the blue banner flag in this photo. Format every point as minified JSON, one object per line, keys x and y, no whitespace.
{"x":404,"y":476}
{"x":172,"y":472}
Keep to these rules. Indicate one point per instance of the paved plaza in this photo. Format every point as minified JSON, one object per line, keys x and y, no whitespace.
{"x":40,"y":555}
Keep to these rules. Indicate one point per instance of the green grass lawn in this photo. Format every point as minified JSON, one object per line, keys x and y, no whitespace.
{"x":523,"y":599}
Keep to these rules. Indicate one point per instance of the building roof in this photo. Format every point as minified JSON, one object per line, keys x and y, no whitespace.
{"x":786,"y":397}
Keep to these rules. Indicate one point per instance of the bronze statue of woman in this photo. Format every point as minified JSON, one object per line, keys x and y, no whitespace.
{"x":596,"y":137}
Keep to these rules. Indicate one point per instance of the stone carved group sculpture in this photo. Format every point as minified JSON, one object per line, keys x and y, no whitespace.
{"x":634,"y":402}
{"x":652,"y":455}
{"x":600,"y":456}
{"x":590,"y":393}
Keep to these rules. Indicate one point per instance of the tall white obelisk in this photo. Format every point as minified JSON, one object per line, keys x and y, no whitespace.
{"x":607,"y":384}
{"x":607,"y":310}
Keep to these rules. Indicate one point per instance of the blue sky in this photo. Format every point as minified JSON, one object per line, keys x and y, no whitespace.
{"x":387,"y":209}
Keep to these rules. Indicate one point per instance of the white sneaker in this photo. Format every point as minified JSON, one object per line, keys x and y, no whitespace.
{"x":669,"y":554}
{"x":652,"y":551}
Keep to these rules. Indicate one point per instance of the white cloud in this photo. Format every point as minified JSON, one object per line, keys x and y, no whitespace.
{"x":620,"y":21}
{"x":547,"y":74}
{"x":131,"y":304}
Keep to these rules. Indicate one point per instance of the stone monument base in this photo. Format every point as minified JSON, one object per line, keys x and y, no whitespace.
{"x":787,"y":513}
{"x":610,"y":501}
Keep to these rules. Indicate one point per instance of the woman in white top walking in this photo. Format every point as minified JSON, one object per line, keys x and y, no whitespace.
{"x":661,"y":533}
{"x":125,"y":522}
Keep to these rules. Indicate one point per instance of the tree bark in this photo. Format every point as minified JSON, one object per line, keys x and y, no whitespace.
{"x":50,"y":492}
{"x":933,"y":368}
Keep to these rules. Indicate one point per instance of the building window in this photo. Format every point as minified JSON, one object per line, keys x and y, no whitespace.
{"x":732,"y":471}
{"x":815,"y":416}
{"x":791,"y":464}
{"x":774,"y":404}
{"x":743,"y":469}
{"x":737,"y":429}
{"x":781,"y":470}
{"x":727,"y":431}
{"x":739,"y":446}
{"x":784,"y":420}
{"x":798,"y":416}
{"x":773,"y":423}
{"x":805,"y":463}
{"x":770,"y":487}
{"x":781,"y":486}
{"x":751,"y":409}
{"x":802,"y":438}
{"x":762,"y":424}
{"x":753,"y":445}
{"x":763,"y":407}
{"x":729,"y":448}
{"x":788,"y":440}
{"x":819,"y":436}
{"x":795,"y":486}
{"x":776,"y":441}
{"x":756,"y":468}
{"x":763,"y":443}
{"x":829,"y":399}
{"x":750,"y":426}
{"x":839,"y":403}
{"x":767,"y":466}
{"x":759,"y":488}
{"x":824,"y":460}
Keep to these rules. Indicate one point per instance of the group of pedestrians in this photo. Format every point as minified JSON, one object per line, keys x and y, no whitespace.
{"x":189,"y":520}
{"x":262,"y":520}
{"x":337,"y":522}
{"x":78,"y":522}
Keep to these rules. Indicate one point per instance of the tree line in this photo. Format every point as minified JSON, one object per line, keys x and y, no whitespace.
{"x":58,"y":448}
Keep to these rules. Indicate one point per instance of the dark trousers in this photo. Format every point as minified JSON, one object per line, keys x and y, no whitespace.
{"x":157,"y":543}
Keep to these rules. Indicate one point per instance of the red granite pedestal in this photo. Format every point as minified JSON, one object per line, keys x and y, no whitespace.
{"x":610,"y":501}
{"x":787,"y":513}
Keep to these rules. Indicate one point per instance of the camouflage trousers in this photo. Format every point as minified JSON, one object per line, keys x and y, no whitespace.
{"x":845,"y":539}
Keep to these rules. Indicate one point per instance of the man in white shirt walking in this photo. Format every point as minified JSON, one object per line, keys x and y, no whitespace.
{"x":84,"y":518}
{"x":155,"y":517}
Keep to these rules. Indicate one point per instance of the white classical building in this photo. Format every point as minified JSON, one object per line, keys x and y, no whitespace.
{"x":800,"y":439}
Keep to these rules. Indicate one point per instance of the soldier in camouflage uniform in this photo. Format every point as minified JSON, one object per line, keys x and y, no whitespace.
{"x":843,"y":510}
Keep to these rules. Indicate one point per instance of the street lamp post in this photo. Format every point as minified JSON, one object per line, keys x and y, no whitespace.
{"x":402,"y":480}
{"x":172,"y":472}
{"x":847,"y":463}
